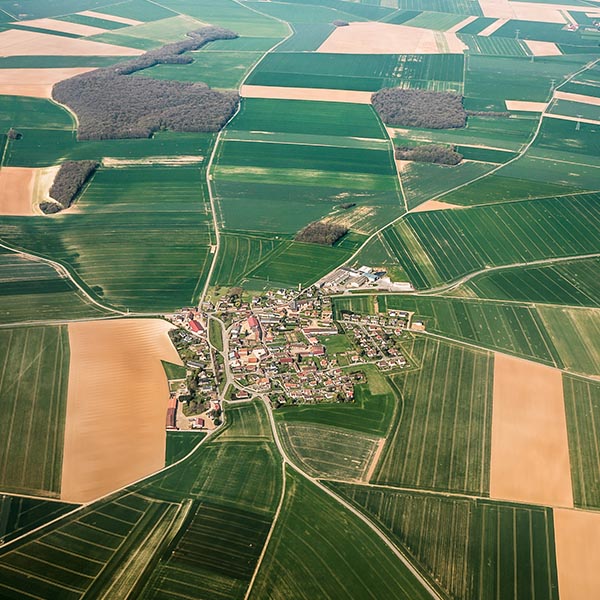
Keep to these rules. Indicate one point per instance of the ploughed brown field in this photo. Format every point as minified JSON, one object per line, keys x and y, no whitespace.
{"x":530,"y":453}
{"x":116,"y":406}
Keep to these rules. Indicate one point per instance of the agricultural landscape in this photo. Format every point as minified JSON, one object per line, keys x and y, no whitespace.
{"x":300,"y":299}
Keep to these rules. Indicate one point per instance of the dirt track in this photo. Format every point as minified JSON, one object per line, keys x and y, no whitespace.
{"x":116,"y":407}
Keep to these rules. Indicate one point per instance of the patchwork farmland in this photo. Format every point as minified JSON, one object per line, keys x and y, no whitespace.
{"x":379,"y":371}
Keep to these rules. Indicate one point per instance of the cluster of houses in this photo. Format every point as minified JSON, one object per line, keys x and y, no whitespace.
{"x":278,"y":344}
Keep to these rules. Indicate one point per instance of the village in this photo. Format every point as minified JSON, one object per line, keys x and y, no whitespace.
{"x":286,"y":344}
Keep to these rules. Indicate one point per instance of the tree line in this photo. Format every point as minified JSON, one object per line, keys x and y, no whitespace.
{"x":68,"y":182}
{"x":429,"y":153}
{"x":420,"y":108}
{"x":321,"y":232}
{"x":110,"y":103}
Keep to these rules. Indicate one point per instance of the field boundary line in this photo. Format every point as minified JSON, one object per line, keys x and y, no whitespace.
{"x":349,"y":507}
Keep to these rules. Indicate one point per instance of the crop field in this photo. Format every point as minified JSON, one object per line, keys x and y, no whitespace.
{"x":437,"y":21}
{"x":328,"y":451}
{"x":566,"y":140}
{"x":19,"y":515}
{"x":223,"y":70}
{"x":359,"y":72}
{"x":582,"y":404}
{"x":442,"y":246}
{"x":181,"y":443}
{"x":307,"y":37}
{"x":488,"y":155}
{"x":89,"y":551}
{"x":238,"y":255}
{"x":246,"y":422}
{"x":32,"y":113}
{"x":544,"y":32}
{"x":575,"y":333}
{"x":573,"y":283}
{"x":325,"y":119}
{"x":576,"y":109}
{"x":297,"y":263}
{"x":111,"y":252}
{"x":232,"y":15}
{"x":494,"y":46}
{"x":140,"y":10}
{"x":441,"y":437}
{"x":330,"y":561}
{"x":163,"y":31}
{"x":32,"y":290}
{"x":369,"y":414}
{"x":215,"y":557}
{"x":33,"y":389}
{"x":495,"y":132}
{"x":473,"y":549}
{"x":91,"y":21}
{"x":492,"y":79}
{"x":298,"y":13}
{"x":476,"y":26}
{"x":461,"y":7}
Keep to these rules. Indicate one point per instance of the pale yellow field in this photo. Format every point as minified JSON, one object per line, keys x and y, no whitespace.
{"x":526,"y":106}
{"x":63,"y":26}
{"x":116,"y":405}
{"x":31,"y":43}
{"x":435,"y":205}
{"x":16,"y":191}
{"x":577,"y":535}
{"x":294,"y":93}
{"x":529,"y":450}
{"x":577,"y":98}
{"x":35,"y":83}
{"x":113,"y":18}
{"x":386,"y":38}
{"x":493,"y":27}
{"x":543,"y":48}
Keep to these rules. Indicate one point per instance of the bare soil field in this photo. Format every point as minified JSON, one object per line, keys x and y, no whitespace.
{"x":35,"y":83}
{"x":293,"y":93}
{"x":460,"y":25}
{"x":63,"y":26}
{"x":498,"y":9}
{"x":16,"y":191}
{"x":113,"y":18}
{"x":577,"y":536}
{"x":529,"y":450}
{"x":31,"y":43}
{"x":116,"y":405}
{"x":435,"y":205}
{"x":525,"y":105}
{"x":577,"y":98}
{"x":543,"y":48}
{"x":528,"y":11}
{"x":493,"y":27}
{"x":386,"y":38}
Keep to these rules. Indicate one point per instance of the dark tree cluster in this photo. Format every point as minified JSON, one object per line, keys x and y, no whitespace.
{"x":68,"y":182}
{"x":420,"y":108}
{"x":171,"y":53}
{"x":111,"y":104}
{"x":347,"y":205}
{"x":429,"y":153}
{"x":321,"y":232}
{"x":340,"y":23}
{"x":13,"y":134}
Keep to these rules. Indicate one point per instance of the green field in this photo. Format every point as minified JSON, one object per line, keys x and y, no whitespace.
{"x":33,"y":393}
{"x":224,"y":69}
{"x":329,"y":561}
{"x":572,"y":283}
{"x":370,"y":413}
{"x":360,"y":72}
{"x":307,"y":37}
{"x":441,"y":436}
{"x":576,"y":335}
{"x":473,"y":549}
{"x":582,"y":403}
{"x":492,"y":46}
{"x":328,"y":451}
{"x":136,"y":250}
{"x":246,"y":422}
{"x":439,"y":21}
{"x":32,"y":290}
{"x":140,"y":10}
{"x":181,"y":443}
{"x":442,"y":246}
{"x":20,"y":515}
